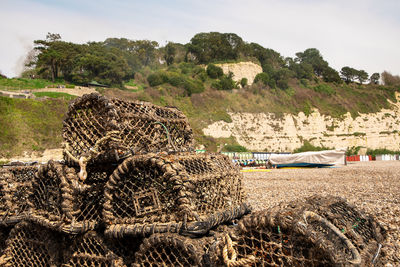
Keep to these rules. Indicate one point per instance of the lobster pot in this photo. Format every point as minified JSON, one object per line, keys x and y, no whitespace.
{"x":103,"y":130}
{"x":56,"y":200}
{"x":89,"y":195}
{"x":89,"y":250}
{"x":171,"y":250}
{"x":31,"y":245}
{"x":15,"y":187}
{"x":362,"y":229}
{"x":165,"y":192}
{"x":270,"y":238}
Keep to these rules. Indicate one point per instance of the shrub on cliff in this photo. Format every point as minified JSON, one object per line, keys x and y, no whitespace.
{"x":157,"y":78}
{"x":191,"y":86}
{"x":214,"y":72}
{"x":243,"y":82}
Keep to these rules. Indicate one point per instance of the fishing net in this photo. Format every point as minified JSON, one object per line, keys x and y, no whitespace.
{"x":15,"y":186}
{"x":362,"y":229}
{"x":89,"y":195}
{"x":277,"y":238}
{"x":97,"y":129}
{"x":90,"y":250}
{"x":170,"y":250}
{"x":31,"y":245}
{"x":166,"y":192}
{"x":57,"y":200}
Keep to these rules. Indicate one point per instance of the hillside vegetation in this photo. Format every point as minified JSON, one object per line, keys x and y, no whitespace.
{"x":185,"y":76}
{"x":30,"y":125}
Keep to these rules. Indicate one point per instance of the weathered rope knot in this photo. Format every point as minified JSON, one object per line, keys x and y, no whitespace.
{"x":230,"y":256}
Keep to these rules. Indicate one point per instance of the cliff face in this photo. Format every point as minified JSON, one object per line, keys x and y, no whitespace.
{"x":241,"y":70}
{"x":265,"y":131}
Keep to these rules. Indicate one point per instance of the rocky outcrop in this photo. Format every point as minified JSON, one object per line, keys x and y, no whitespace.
{"x":240,"y":70}
{"x":266,"y":132}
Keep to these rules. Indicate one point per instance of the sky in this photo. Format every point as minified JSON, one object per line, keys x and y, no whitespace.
{"x":362,"y":34}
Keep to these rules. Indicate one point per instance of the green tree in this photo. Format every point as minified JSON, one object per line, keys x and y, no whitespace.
{"x":215,"y":46}
{"x":138,"y":53}
{"x":302,"y":70}
{"x":361,"y":76}
{"x":263,"y":78}
{"x":331,"y":75}
{"x":169,"y":54}
{"x":348,"y":74}
{"x":282,"y":77}
{"x":375,"y":78}
{"x":49,"y":55}
{"x":313,"y":57}
{"x":103,"y":64}
{"x":56,"y":58}
{"x":52,"y":37}
{"x":269,"y":59}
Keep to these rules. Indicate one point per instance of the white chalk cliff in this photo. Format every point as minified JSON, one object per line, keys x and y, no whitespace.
{"x":266,"y":132}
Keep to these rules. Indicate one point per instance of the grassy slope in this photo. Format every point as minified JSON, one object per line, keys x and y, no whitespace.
{"x":30,"y":125}
{"x":24,"y":83}
{"x":55,"y":95}
{"x":205,"y":108}
{"x":27,"y":125}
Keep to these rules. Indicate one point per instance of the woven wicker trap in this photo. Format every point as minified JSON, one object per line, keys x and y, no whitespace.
{"x":272,"y":238}
{"x":170,"y":250}
{"x":362,"y":229}
{"x":15,"y":188}
{"x":90,"y":250}
{"x":89,"y":195}
{"x":103,"y":130}
{"x":170,"y":188}
{"x":31,"y":245}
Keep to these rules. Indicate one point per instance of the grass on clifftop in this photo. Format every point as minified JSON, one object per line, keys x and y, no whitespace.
{"x":30,"y":125}
{"x":25,"y":84}
{"x":55,"y":95}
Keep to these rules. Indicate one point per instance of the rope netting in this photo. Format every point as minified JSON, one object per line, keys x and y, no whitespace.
{"x":60,"y":201}
{"x":105,"y":130}
{"x":31,"y":245}
{"x":277,"y":238}
{"x":161,"y":190}
{"x":170,"y":250}
{"x":15,"y":186}
{"x":90,"y":250}
{"x":361,"y":228}
{"x":89,"y":195}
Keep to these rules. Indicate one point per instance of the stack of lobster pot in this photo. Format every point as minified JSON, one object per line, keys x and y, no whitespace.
{"x":129,"y":181}
{"x":132,"y":192}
